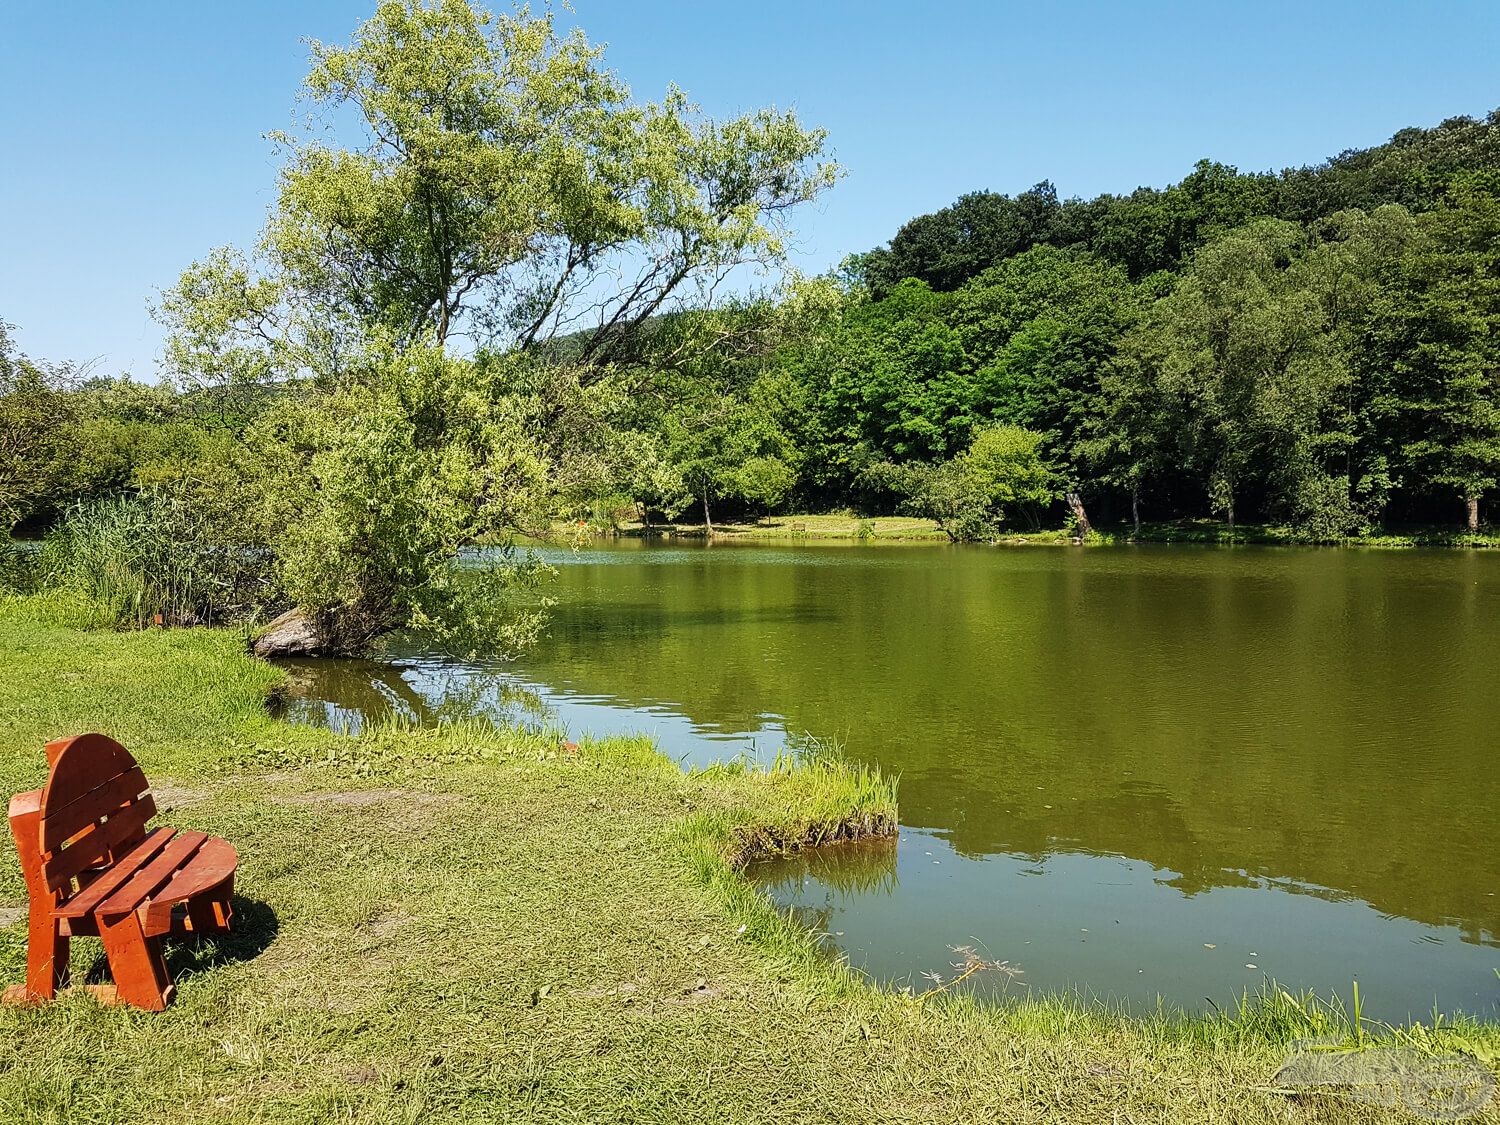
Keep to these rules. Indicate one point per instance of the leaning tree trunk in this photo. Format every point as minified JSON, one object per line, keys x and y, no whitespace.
{"x":707,"y":521}
{"x":1075,"y":502}
{"x":1472,"y":504}
{"x":1135,"y":507}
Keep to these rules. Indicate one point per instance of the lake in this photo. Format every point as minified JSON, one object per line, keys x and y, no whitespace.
{"x":1135,"y":772}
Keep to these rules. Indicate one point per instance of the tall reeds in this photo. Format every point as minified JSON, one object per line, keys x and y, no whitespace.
{"x":131,"y":560}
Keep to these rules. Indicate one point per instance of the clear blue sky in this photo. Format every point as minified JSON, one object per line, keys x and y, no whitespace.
{"x":131,"y":135}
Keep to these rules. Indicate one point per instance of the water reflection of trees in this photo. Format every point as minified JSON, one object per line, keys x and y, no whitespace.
{"x":854,"y":868}
{"x":346,"y":694}
{"x":1301,"y":717}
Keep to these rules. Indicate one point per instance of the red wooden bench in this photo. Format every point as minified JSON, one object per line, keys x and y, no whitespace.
{"x":93,"y":868}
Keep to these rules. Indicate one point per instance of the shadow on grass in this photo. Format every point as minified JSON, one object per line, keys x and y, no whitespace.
{"x":253,"y":928}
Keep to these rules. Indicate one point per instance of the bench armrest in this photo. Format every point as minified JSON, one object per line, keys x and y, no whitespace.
{"x":25,"y":826}
{"x":26,"y":804}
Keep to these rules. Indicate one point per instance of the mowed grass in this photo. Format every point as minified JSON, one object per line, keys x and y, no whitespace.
{"x":475,"y":925}
{"x":910,"y":529}
{"x":905,"y":529}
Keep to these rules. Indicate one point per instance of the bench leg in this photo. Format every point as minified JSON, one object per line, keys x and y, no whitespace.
{"x":207,"y":915}
{"x":136,"y":962}
{"x":46,"y":948}
{"x":46,"y":955}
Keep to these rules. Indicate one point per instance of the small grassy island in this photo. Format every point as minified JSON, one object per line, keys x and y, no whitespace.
{"x":473,"y":923}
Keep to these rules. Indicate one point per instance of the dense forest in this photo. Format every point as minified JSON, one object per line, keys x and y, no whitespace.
{"x":496,"y":313}
{"x":1318,"y":347}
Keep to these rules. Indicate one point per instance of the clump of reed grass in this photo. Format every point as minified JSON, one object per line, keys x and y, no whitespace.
{"x":17,"y":568}
{"x":134,"y":561}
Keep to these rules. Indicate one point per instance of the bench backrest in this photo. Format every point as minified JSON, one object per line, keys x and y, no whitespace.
{"x":94,"y":809}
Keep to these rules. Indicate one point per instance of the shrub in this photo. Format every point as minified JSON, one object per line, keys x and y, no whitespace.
{"x":971,"y":495}
{"x":374,"y":488}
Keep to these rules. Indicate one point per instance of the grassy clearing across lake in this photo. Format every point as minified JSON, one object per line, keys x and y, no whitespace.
{"x":470,"y":924}
{"x":909,"y":529}
{"x":837,"y":525}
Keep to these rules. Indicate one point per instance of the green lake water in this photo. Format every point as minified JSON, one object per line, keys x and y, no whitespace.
{"x":1133,"y":773}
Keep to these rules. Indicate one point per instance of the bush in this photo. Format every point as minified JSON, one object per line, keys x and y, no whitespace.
{"x":375,"y":487}
{"x":971,"y":495}
{"x":1324,"y":512}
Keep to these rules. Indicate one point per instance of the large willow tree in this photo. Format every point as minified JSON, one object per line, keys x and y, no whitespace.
{"x":490,"y":179}
{"x":476,"y":223}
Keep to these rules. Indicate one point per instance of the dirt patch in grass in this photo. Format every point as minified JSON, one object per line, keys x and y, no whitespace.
{"x":366,"y":1075}
{"x":10,"y":915}
{"x":170,"y":795}
{"x":699,"y":992}
{"x":365,"y":798}
{"x":387,"y":922}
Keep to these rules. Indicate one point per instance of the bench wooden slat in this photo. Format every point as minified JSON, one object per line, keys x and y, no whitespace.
{"x":215,"y":862}
{"x":145,"y":881}
{"x":62,"y":823}
{"x":85,"y":901}
{"x":100,"y":845}
{"x":210,"y":868}
{"x":92,"y":759}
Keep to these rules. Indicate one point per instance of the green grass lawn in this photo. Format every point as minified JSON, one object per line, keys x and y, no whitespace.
{"x":908,"y":529}
{"x":887,"y":529}
{"x":475,"y":925}
{"x":1214,"y":531}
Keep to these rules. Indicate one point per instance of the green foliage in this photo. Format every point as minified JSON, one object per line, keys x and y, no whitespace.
{"x":225,"y":322}
{"x":67,"y":437}
{"x":1247,"y":345}
{"x":373,"y":489}
{"x":35,"y":421}
{"x":1155,"y":229}
{"x":1452,"y":371}
{"x":504,"y":185}
{"x":955,"y":244}
{"x":1316,"y":346}
{"x":725,"y":448}
{"x":970,"y":496}
{"x":1313,"y":349}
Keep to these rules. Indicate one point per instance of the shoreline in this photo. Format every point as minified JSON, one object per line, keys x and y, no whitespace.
{"x":589,"y":905}
{"x":909,"y":531}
